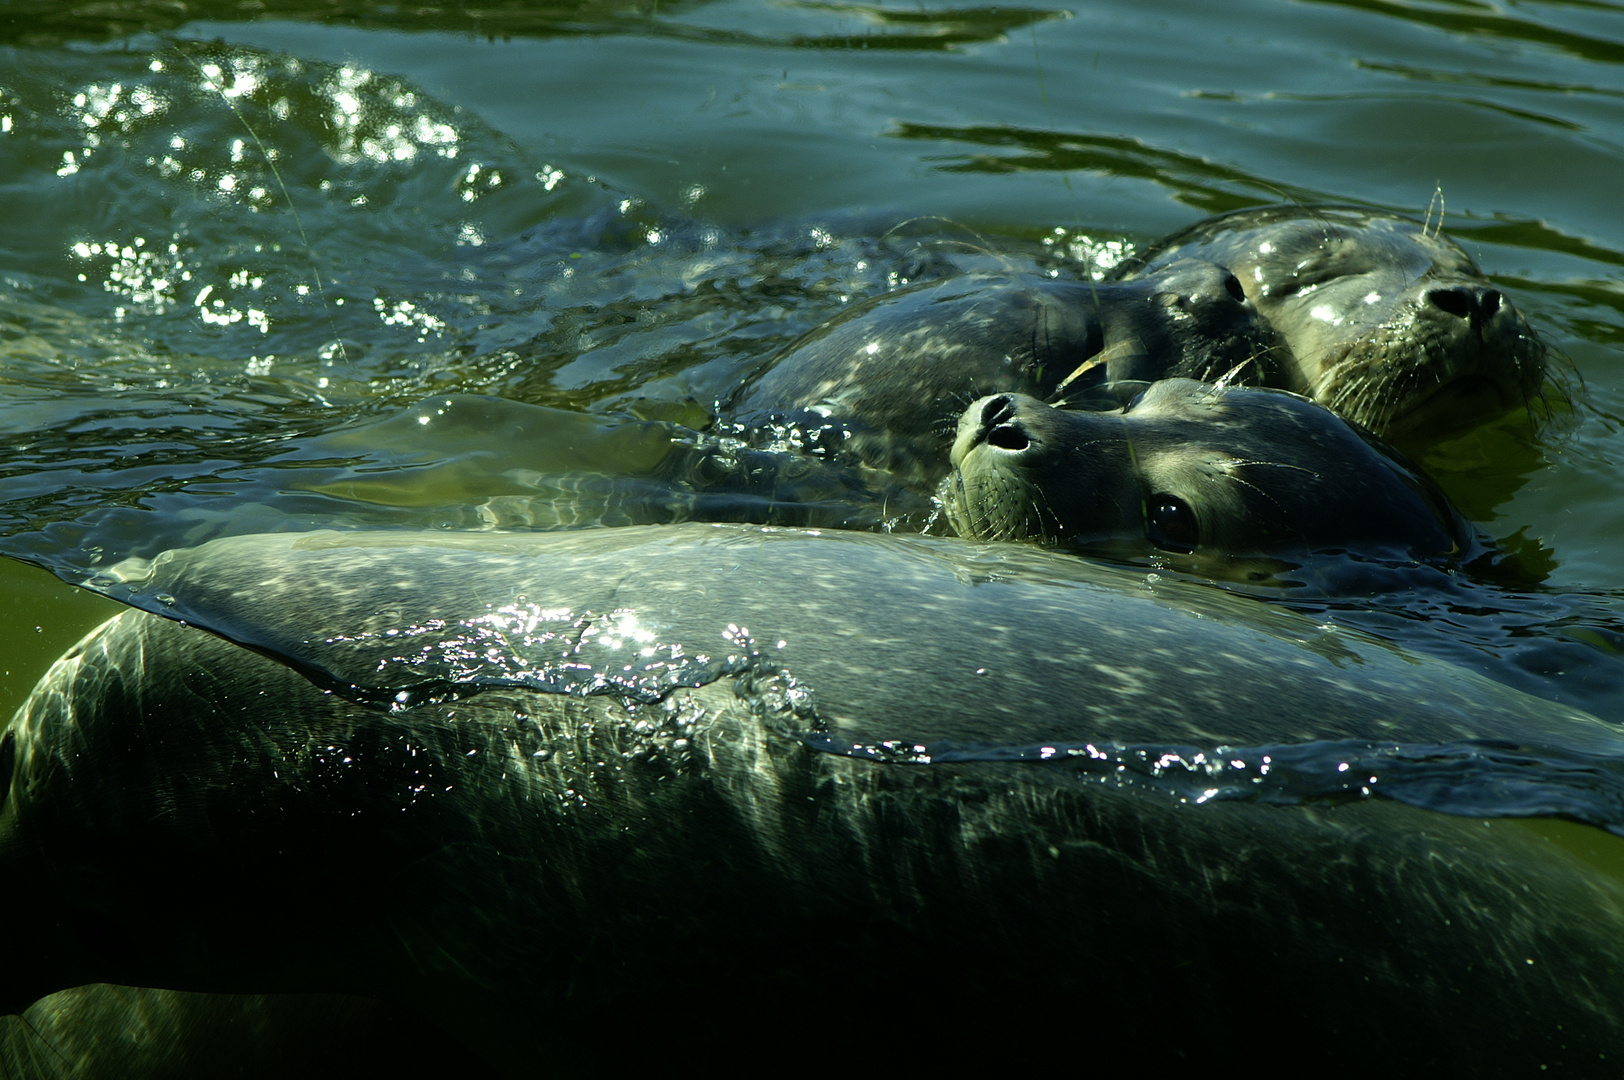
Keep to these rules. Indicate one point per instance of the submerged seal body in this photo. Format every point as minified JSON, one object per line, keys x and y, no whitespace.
{"x":102,"y":1032}
{"x":1391,"y":325}
{"x":751,"y":785}
{"x":1189,"y":468}
{"x":881,"y":384}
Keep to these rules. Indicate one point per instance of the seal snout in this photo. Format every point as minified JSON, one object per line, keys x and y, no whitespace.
{"x":1474,"y":304}
{"x":1002,"y":424}
{"x":999,"y":422}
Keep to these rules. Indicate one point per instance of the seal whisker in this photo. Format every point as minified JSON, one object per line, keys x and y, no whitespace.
{"x":1223,"y":381}
{"x":1273,"y":501}
{"x":1436,"y":200}
{"x":1039,"y":505}
{"x":1262,"y":463}
{"x":983,"y":246}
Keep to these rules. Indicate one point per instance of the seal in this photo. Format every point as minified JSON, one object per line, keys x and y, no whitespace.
{"x":544,"y":789}
{"x":881,"y":384}
{"x":1389,"y":324}
{"x":103,"y":1032}
{"x":1191,"y":468}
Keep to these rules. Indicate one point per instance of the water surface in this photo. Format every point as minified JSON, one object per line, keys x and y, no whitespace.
{"x":270,"y":270}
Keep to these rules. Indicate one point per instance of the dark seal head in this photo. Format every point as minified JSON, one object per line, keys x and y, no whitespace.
{"x":881,"y":385}
{"x":1388,"y":323}
{"x":1193,"y":468}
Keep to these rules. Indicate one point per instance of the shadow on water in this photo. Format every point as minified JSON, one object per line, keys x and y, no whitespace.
{"x":1477,"y":19}
{"x":885,"y":29}
{"x":1209,"y":186}
{"x":1487,"y":79}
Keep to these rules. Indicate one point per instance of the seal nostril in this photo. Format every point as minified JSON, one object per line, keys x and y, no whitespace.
{"x":1232,"y":285}
{"x":1457,"y":302}
{"x":1490,"y":302}
{"x":1008,"y":437}
{"x":999,"y":410}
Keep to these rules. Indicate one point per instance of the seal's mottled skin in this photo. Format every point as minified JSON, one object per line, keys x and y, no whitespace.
{"x":1385,"y":321}
{"x":102,"y":1032}
{"x":893,"y":372}
{"x":1189,"y":467}
{"x":558,"y":793}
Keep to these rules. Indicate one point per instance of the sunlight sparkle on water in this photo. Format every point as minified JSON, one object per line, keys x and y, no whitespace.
{"x":406,"y":313}
{"x":1098,"y":256}
{"x":398,"y":134}
{"x":522,"y":620}
{"x":140,"y":274}
{"x":623,"y":628}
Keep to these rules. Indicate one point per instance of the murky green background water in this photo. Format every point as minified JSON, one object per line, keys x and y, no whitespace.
{"x":239,"y":245}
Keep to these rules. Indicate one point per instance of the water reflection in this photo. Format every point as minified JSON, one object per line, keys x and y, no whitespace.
{"x":1210,"y":187}
{"x":1544,"y":32}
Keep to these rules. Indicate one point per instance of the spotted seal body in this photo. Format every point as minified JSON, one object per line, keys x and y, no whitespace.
{"x":1389,"y":324}
{"x":881,"y":384}
{"x":685,"y":781}
{"x":1189,"y":468}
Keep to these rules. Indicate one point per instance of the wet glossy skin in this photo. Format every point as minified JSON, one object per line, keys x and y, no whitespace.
{"x":889,"y":377}
{"x":1387,"y":322}
{"x":1188,"y":468}
{"x":531,"y":869}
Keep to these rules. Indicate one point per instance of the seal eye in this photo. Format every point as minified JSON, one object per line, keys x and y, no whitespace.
{"x":1170,"y":524}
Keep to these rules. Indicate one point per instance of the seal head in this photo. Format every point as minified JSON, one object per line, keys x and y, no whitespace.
{"x":1187,"y":467}
{"x":881,"y":385}
{"x":1391,"y":325}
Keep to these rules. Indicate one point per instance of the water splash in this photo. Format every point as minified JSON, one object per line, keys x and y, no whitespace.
{"x":1466,"y":778}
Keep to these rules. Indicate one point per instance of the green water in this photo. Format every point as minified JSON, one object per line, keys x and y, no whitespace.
{"x":231,"y":242}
